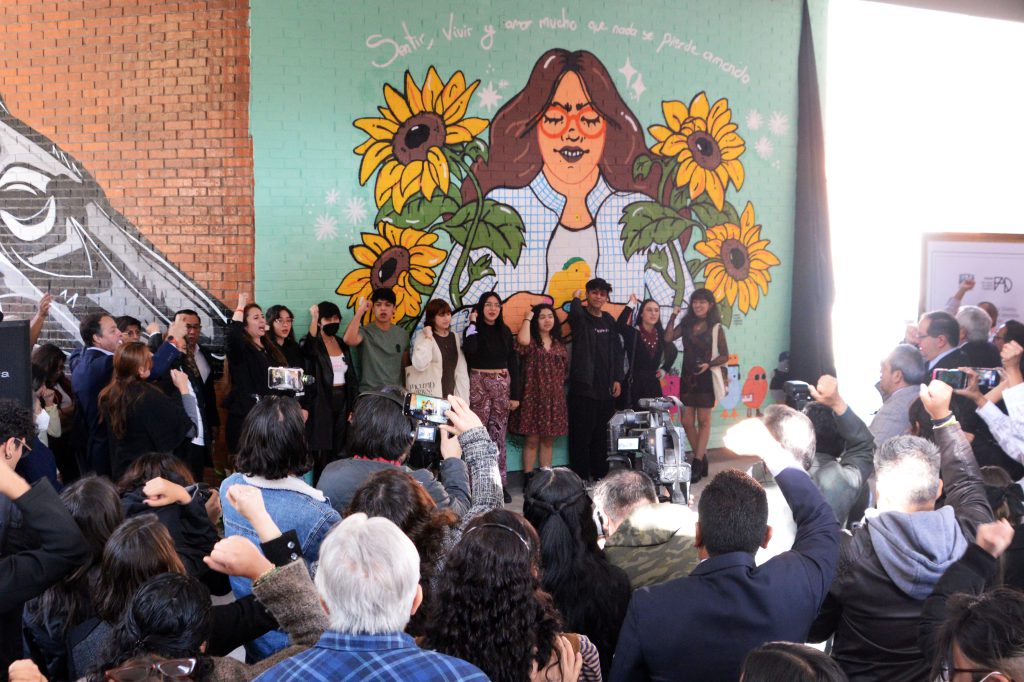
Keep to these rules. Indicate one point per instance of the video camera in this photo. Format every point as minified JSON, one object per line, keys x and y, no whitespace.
{"x":647,"y":440}
{"x":428,"y":412}
{"x":798,"y":394}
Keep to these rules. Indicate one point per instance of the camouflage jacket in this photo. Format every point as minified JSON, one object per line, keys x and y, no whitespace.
{"x":655,"y":544}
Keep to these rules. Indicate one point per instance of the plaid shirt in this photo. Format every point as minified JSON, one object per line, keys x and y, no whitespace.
{"x":394,"y":656}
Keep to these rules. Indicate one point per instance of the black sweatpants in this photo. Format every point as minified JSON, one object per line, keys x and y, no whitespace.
{"x":588,"y":435}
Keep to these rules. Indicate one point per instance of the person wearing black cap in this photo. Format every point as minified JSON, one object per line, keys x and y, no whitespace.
{"x":595,"y":380}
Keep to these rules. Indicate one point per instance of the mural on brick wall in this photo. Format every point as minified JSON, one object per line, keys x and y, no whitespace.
{"x":59,"y":235}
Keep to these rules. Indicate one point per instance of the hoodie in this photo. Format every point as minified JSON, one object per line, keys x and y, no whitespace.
{"x":916,"y":549}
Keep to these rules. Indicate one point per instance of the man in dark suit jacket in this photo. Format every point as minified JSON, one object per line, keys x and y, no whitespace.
{"x":91,"y":370}
{"x":702,"y":626}
{"x":203,"y":370}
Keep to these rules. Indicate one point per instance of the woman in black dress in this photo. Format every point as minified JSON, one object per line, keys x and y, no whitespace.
{"x":336,"y":388}
{"x":647,"y":352}
{"x":700,"y":325}
{"x":250,"y":354}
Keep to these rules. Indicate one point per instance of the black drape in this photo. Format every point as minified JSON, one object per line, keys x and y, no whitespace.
{"x":810,"y":326}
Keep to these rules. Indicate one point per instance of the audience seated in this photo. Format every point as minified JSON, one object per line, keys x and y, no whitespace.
{"x":491,"y":610}
{"x":590,"y":592}
{"x":903,"y":371}
{"x":96,"y":508}
{"x":651,"y":541}
{"x":891,"y":563}
{"x":149,"y":633}
{"x":702,"y":626}
{"x":398,"y":497}
{"x":841,"y":446}
{"x":368,"y":584}
{"x":272,"y":456}
{"x":162,"y":484}
{"x":39,"y":540}
{"x":790,"y":662}
{"x":381,"y":436}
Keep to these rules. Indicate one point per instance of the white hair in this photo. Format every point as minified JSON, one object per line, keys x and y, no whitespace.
{"x":368,"y":574}
{"x":975,"y":322}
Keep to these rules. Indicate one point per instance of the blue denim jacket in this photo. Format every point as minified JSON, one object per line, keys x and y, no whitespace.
{"x":293,"y":505}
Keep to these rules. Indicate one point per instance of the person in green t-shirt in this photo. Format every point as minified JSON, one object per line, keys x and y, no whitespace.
{"x":382,"y":345}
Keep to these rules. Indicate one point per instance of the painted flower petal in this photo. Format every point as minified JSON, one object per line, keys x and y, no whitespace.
{"x":354,"y":282}
{"x":426,"y":256}
{"x":675,"y":113}
{"x":674,"y":145}
{"x":458,"y":108}
{"x":659,"y":132}
{"x":698,"y":182}
{"x":720,"y":115}
{"x":422,"y":275}
{"x":373,"y":158}
{"x":699,"y":106}
{"x":715,"y":276}
{"x":711,"y":248}
{"x":413,"y":95}
{"x":715,"y":190}
{"x":731,"y":289}
{"x":399,"y":107}
{"x":386,"y":113}
{"x":388,"y":177}
{"x":432,"y":87}
{"x":439,"y":163}
{"x":755,"y":296}
{"x":736,"y":173}
{"x":747,"y":219}
{"x":455,"y":86}
{"x":744,"y":296}
{"x":392,"y":233}
{"x":364,"y":255}
{"x":377,"y":128}
{"x":428,"y":181}
{"x":376,"y":242}
{"x":763,"y":259}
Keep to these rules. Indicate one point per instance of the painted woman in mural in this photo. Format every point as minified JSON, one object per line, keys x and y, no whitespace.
{"x":561,"y":156}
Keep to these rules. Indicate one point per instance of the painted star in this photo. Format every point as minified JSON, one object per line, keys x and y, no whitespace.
{"x":778,"y":123}
{"x":764,"y":147}
{"x":638,"y":87}
{"x":628,"y":71}
{"x":489,"y":97}
{"x":326,"y":227}
{"x":754,"y":119}
{"x":355,"y":210}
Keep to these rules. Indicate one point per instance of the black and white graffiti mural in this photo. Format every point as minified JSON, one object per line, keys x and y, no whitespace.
{"x":60,"y":235}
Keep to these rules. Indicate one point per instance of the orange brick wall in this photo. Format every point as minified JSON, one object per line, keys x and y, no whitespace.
{"x":152,"y":98}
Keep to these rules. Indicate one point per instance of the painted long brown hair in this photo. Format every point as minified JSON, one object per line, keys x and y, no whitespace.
{"x":125,"y":386}
{"x":515,"y":158}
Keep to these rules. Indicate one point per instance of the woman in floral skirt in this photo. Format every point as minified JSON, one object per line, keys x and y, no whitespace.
{"x":542,"y":415}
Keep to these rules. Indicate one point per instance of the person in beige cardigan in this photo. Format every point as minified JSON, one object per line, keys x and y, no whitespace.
{"x":436,"y":349}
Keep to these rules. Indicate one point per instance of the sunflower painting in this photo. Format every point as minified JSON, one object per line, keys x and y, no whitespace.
{"x":738,"y":261}
{"x":407,"y":140}
{"x":393,"y":258}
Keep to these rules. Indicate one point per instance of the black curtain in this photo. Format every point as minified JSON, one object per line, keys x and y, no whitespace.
{"x":810,"y":326}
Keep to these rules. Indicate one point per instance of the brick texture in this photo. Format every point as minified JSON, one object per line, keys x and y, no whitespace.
{"x":153,"y":99}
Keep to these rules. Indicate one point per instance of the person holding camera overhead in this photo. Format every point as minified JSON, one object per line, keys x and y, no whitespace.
{"x":702,"y":380}
{"x":330,"y":362}
{"x":543,"y":415}
{"x":250,"y":353}
{"x":493,"y":372}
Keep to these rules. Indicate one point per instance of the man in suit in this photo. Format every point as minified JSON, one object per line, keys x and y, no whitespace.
{"x":702,"y":626}
{"x":91,"y":370}
{"x":202,"y":370}
{"x":938,"y":337}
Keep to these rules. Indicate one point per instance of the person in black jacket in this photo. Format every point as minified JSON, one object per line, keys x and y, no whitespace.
{"x":334,"y":393}
{"x":250,"y":354}
{"x":96,"y":508}
{"x":161,"y":484}
{"x":203,"y":370}
{"x":595,"y":380}
{"x":647,"y":353}
{"x":58,"y":547}
{"x":140,"y":417}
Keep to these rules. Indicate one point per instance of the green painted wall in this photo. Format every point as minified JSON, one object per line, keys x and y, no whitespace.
{"x":318,"y":66}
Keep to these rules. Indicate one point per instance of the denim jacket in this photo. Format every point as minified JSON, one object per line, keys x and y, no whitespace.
{"x":293,"y":505}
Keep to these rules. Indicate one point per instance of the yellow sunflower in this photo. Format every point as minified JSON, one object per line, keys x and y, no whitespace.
{"x":704,"y":142}
{"x":408,"y":137}
{"x":739,"y":261}
{"x":394,"y":259}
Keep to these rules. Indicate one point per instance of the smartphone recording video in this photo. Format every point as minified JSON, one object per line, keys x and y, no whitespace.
{"x":427,"y":408}
{"x":954,"y":377}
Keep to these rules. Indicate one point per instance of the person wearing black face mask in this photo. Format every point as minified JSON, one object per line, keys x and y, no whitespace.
{"x":336,"y":387}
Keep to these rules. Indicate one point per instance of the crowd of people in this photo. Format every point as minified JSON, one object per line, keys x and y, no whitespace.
{"x":336,"y":549}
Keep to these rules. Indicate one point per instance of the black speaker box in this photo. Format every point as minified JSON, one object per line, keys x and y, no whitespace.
{"x":15,"y":362}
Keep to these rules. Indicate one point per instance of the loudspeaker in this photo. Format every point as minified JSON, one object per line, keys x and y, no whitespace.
{"x":15,"y":363}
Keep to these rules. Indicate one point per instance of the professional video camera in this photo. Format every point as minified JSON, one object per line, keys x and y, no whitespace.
{"x":647,"y":440}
